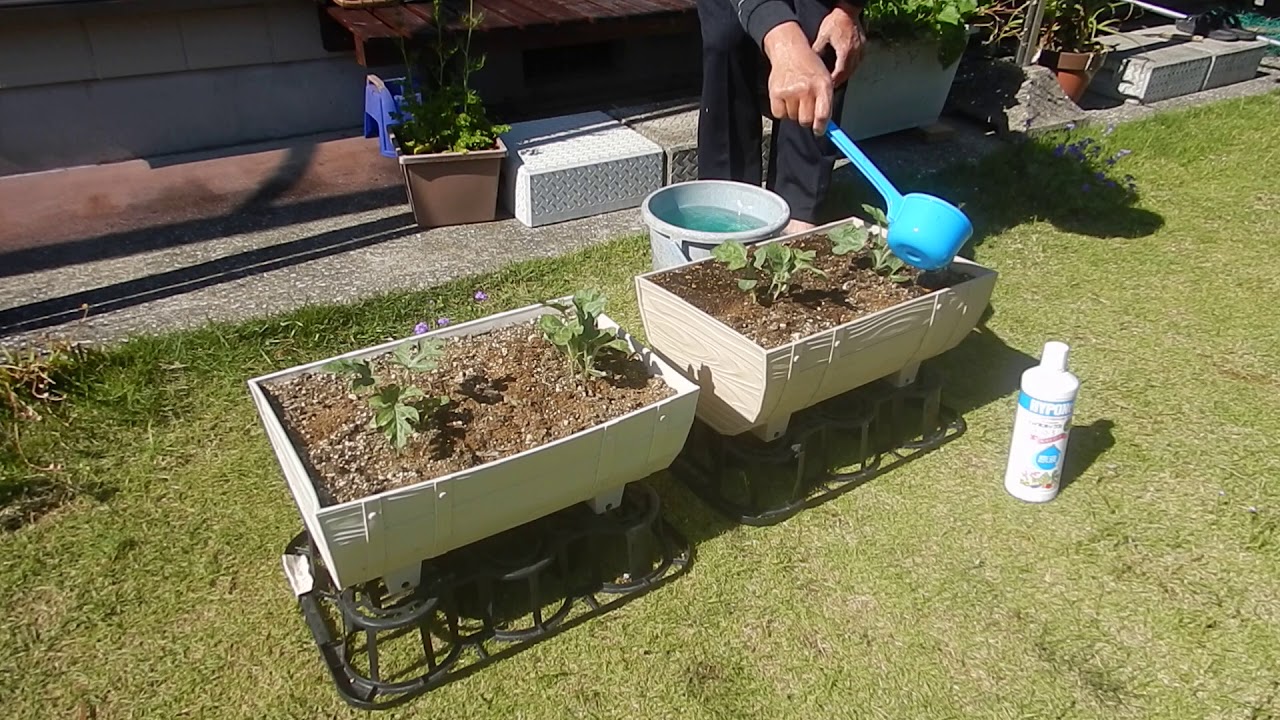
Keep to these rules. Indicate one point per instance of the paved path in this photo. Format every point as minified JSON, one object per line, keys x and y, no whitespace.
{"x":237,"y":267}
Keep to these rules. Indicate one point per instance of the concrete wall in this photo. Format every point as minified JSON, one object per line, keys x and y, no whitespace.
{"x":102,"y":85}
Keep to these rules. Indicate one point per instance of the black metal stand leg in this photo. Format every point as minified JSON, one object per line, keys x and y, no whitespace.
{"x":354,"y":627}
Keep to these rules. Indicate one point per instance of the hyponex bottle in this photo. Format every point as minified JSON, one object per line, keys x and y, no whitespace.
{"x":1045,"y":405}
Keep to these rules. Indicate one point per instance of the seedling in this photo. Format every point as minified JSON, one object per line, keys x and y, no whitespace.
{"x":395,"y":413}
{"x":419,"y":356}
{"x":777,"y":262}
{"x":849,"y":239}
{"x":362,"y":374}
{"x":578,"y":335}
{"x":876,"y":214}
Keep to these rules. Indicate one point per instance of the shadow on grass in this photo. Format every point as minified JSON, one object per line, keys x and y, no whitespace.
{"x":1074,"y":182}
{"x":1085,"y":445}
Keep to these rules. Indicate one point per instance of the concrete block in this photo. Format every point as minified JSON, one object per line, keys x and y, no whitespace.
{"x":673,"y":126}
{"x":45,"y":53}
{"x":136,"y":45}
{"x":573,"y":166}
{"x":1150,"y":68}
{"x":226,"y":37}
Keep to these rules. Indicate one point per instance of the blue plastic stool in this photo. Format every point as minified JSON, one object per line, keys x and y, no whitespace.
{"x":381,"y":105}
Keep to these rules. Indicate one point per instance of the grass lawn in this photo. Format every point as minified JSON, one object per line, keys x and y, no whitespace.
{"x":1149,"y":589}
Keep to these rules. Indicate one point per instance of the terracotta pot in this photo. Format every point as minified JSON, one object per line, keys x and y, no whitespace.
{"x":453,"y":188}
{"x":1074,"y":70}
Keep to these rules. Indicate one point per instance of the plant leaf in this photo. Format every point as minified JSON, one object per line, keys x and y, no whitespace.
{"x":618,"y":344}
{"x":745,"y":285}
{"x":731,"y":253}
{"x":848,"y":239}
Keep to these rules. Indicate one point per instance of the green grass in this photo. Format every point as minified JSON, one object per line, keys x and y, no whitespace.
{"x":1148,"y":589}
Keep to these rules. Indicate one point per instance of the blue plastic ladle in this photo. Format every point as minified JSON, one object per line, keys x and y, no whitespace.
{"x":925,"y":231}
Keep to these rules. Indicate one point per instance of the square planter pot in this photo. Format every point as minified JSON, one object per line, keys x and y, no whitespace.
{"x":897,"y":86}
{"x":746,"y":387}
{"x":388,"y":534}
{"x":453,"y":188}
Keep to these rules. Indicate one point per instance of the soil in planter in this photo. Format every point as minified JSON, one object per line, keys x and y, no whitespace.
{"x":812,"y":305}
{"x":510,"y":391}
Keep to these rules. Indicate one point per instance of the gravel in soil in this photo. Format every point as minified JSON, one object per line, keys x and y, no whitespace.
{"x":510,"y":391}
{"x":812,"y":305}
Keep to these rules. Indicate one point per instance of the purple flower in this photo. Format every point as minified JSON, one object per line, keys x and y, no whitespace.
{"x":443,"y":321}
{"x":421,"y":328}
{"x":481,"y":296}
{"x":1059,"y":150}
{"x":1100,"y":175}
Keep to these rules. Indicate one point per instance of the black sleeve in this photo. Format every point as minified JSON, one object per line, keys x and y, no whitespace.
{"x":758,"y":17}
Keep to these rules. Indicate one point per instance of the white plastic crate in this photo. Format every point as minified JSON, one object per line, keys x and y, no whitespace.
{"x":574,"y":166}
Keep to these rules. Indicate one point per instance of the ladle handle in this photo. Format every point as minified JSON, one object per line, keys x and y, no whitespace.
{"x":891,"y":196}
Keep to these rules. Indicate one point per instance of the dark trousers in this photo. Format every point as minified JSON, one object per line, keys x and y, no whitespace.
{"x":730,"y":126}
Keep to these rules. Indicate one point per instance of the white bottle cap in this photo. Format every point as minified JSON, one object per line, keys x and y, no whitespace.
{"x":1054,"y":356}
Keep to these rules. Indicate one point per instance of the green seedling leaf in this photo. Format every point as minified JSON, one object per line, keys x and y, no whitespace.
{"x":577,"y":332}
{"x":362,"y":374}
{"x":746,"y":285}
{"x":419,"y":356}
{"x":876,"y":214}
{"x":393,"y":415}
{"x":732,"y":253}
{"x":848,"y":239}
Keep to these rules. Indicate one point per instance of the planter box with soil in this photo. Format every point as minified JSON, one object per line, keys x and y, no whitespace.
{"x":758,"y":360}
{"x":402,"y":452}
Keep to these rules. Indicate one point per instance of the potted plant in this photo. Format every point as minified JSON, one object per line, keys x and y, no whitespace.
{"x":773,"y":329}
{"x":403,"y":451}
{"x":1069,"y":41}
{"x":450,"y":151}
{"x":913,"y":51}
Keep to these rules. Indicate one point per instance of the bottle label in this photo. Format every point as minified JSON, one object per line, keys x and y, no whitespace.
{"x":1039,"y":443}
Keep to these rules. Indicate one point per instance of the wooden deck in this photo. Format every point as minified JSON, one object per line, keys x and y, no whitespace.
{"x":524,"y":24}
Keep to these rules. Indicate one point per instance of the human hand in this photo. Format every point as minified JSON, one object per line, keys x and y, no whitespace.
{"x":800,"y":87}
{"x":841,"y":31}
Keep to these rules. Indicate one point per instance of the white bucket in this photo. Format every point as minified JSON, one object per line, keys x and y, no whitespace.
{"x":673,"y":245}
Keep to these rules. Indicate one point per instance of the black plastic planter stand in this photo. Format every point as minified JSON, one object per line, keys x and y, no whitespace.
{"x":863,"y":433}
{"x":486,"y":601}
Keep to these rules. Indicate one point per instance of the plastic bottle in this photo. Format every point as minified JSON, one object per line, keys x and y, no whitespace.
{"x":1045,"y":405}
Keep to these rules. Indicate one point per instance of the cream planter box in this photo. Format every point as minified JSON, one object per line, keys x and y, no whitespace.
{"x":387,"y":535}
{"x":746,"y":387}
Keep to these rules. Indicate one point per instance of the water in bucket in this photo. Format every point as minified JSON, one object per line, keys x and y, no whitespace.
{"x":709,"y":218}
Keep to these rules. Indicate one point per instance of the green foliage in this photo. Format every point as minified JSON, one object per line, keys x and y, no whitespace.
{"x":419,"y":356}
{"x":1074,"y":25}
{"x":577,"y":332}
{"x":779,"y":263}
{"x":850,"y":239}
{"x":940,"y":20}
{"x":395,"y":411}
{"x":443,"y":113}
{"x":876,"y":214}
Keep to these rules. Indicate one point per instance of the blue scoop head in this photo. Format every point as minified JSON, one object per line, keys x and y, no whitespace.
{"x":926,"y":231}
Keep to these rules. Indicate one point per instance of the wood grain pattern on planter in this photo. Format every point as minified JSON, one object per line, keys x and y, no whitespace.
{"x":746,"y":388}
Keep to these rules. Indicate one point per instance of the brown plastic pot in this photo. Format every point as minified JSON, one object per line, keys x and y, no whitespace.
{"x":1074,"y":70}
{"x":453,"y":188}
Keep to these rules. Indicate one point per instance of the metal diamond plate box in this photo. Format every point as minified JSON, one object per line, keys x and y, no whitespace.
{"x":575,"y":166}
